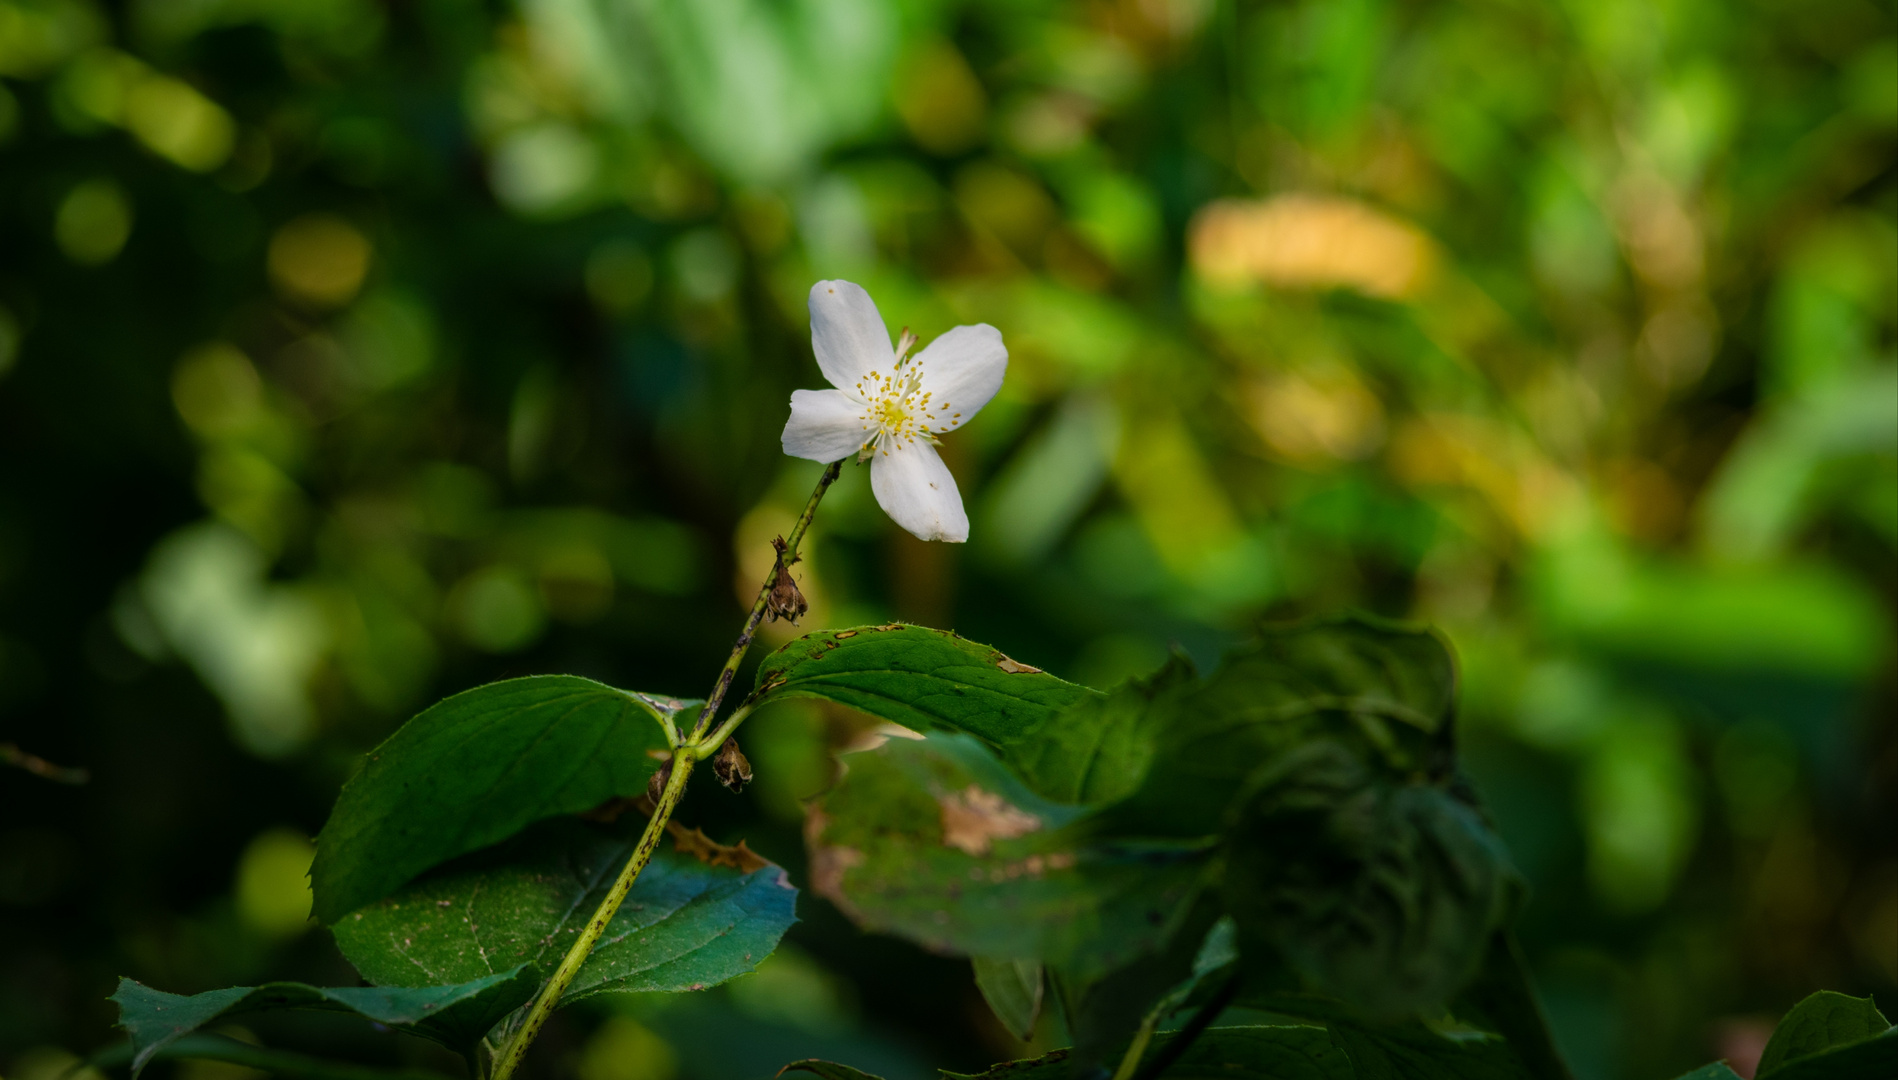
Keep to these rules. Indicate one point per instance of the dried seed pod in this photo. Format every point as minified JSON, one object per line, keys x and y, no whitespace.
{"x":785,"y":601}
{"x":731,"y":767}
{"x":656,"y":783}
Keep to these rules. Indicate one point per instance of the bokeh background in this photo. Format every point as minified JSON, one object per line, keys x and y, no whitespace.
{"x":354,"y":353}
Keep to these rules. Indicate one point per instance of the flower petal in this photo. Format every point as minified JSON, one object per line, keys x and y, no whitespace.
{"x":847,"y":334}
{"x":914,"y":487}
{"x":825,"y":425}
{"x":961,"y":370}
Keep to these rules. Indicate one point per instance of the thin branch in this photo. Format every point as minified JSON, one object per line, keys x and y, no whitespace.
{"x":39,"y":766}
{"x":743,"y":644}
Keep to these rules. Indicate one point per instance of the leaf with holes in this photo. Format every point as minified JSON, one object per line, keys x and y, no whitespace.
{"x":687,"y":924}
{"x":475,"y":769}
{"x":455,"y":1016}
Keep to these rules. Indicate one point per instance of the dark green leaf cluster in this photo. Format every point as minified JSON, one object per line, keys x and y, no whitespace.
{"x":1288,"y":832}
{"x":1828,"y":1035}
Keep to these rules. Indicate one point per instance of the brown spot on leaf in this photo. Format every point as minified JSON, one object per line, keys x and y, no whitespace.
{"x":973,"y":819}
{"x":842,"y":634}
{"x":829,"y":862}
{"x":1016,"y":667}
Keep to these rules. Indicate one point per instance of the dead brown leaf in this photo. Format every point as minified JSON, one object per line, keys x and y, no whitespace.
{"x":695,"y":843}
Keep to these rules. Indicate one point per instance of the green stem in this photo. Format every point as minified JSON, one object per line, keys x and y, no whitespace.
{"x":710,"y":744}
{"x":688,"y":754}
{"x":1130,"y":1061}
{"x":739,"y":648}
{"x":596,"y":924}
{"x":1183,"y":1039}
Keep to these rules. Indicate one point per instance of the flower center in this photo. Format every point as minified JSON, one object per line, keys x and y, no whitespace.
{"x":892,"y":413}
{"x":897,"y":408}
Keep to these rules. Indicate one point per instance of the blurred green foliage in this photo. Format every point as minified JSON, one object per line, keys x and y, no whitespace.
{"x":353,"y":354}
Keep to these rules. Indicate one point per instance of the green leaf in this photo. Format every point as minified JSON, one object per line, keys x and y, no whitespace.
{"x":1875,"y":1058}
{"x":923,"y":679}
{"x":686,"y":925}
{"x":477,"y":768}
{"x":1097,"y":750}
{"x":1502,"y":999}
{"x":455,"y":1016}
{"x":1103,"y":1010}
{"x":1414,"y":1052}
{"x":1013,"y":990}
{"x":284,"y":1063}
{"x":1369,"y":667}
{"x":1383,"y":894}
{"x":1821,"y":1022}
{"x":1277,"y":1051}
{"x":1386,"y":687}
{"x":1716,"y":1071}
{"x":829,"y":1070}
{"x":935,"y":840}
{"x":1397,"y":1050}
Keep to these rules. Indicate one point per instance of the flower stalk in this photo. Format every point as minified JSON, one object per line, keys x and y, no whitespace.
{"x":693,"y":749}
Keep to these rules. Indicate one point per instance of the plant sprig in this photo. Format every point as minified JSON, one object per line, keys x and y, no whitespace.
{"x":695,"y":747}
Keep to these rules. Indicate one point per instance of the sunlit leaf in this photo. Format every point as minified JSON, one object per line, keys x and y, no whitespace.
{"x":477,"y":768}
{"x":920,"y":678}
{"x":686,"y":925}
{"x":455,"y":1016}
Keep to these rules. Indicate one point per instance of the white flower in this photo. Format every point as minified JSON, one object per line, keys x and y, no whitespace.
{"x":889,"y":409}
